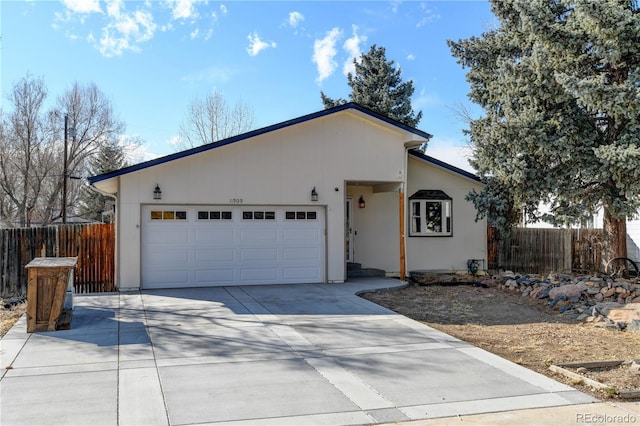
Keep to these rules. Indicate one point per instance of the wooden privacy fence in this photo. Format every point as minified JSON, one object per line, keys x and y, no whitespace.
{"x":93,"y":244}
{"x":542,"y":250}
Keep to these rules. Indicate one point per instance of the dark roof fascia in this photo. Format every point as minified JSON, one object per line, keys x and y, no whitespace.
{"x":253,"y":133}
{"x":430,"y":194}
{"x":444,"y":165}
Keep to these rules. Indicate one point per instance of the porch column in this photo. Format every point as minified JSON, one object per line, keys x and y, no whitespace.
{"x":402,"y":235}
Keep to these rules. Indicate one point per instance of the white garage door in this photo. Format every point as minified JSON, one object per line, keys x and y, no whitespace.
{"x":197,"y":246}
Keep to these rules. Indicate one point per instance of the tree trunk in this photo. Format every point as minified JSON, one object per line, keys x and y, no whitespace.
{"x":615,"y":237}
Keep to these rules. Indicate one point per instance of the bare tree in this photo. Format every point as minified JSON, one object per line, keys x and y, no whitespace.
{"x":211,"y":119}
{"x":22,"y":139}
{"x":32,"y":149}
{"x":92,"y":124}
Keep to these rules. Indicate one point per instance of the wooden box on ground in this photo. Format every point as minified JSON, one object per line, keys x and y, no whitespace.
{"x":50,"y":293}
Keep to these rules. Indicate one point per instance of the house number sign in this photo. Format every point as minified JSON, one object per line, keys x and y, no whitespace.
{"x":236,"y":200}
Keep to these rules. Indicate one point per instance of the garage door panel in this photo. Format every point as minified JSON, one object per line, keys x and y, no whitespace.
{"x":206,"y":256}
{"x":302,"y":234}
{"x":259,"y":275}
{"x":218,"y":236}
{"x":266,"y":254}
{"x":169,"y":256}
{"x":251,"y":235}
{"x":164,"y":236}
{"x":301,"y":274}
{"x":300,"y":253}
{"x":216,"y":276}
{"x":204,"y":250}
{"x":168,"y":277}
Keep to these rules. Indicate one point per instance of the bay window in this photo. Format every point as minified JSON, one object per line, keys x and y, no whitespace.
{"x":430,"y":214}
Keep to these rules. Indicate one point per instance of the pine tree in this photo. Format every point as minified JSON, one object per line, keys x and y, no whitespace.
{"x":558,"y":81}
{"x":110,"y":157}
{"x":377,"y":85}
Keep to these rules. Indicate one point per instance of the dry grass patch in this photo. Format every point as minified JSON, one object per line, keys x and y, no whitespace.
{"x":8,"y":317}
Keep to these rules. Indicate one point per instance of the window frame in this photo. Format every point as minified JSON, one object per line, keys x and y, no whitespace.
{"x":419,"y":214}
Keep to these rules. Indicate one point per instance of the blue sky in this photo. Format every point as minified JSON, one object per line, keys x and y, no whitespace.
{"x":151,"y":58}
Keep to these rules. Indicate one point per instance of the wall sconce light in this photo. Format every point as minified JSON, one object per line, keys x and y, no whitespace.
{"x":361,"y":202}
{"x":314,"y":194}
{"x":157,"y":194}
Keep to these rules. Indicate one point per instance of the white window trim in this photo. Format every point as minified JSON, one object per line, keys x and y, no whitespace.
{"x":420,"y":220}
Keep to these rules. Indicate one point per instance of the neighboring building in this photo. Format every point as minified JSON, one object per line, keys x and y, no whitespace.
{"x":293,"y":203}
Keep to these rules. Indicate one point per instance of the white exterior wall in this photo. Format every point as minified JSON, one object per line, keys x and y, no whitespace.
{"x":275,"y":168}
{"x":633,"y":240}
{"x":377,"y":243}
{"x":469,"y":240}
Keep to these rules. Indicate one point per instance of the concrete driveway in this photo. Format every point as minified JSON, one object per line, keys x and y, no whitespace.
{"x":294,"y":354}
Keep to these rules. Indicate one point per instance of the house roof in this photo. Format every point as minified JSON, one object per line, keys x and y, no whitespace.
{"x":444,"y":165}
{"x":253,"y":133}
{"x":430,"y":194}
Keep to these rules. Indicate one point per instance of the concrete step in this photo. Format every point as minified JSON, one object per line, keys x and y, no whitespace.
{"x":355,"y":270}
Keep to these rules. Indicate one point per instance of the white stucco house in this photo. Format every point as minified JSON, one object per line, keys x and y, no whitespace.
{"x":293,"y":203}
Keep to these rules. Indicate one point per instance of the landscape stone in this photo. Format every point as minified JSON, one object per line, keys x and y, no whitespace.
{"x":634,"y":326}
{"x":590,"y":299}
{"x":625,"y":313}
{"x":569,"y":291}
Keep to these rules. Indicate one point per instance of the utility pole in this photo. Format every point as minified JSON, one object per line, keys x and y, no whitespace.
{"x":65,"y":167}
{"x":65,"y":171}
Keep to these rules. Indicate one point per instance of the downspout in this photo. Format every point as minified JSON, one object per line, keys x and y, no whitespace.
{"x":403,"y":242}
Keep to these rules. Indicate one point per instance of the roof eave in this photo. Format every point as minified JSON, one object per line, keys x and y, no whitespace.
{"x":416,"y":133}
{"x":444,"y":165}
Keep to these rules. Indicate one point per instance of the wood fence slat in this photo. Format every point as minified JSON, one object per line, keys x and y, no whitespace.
{"x":544,"y":250}
{"x":93,"y":244}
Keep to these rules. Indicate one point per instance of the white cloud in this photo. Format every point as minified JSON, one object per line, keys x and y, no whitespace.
{"x":125,"y":25}
{"x":411,"y":57}
{"x":428,"y":16}
{"x":295,"y":18}
{"x":324,"y":52}
{"x":113,"y":7}
{"x":223,"y":9}
{"x":395,"y":5}
{"x":135,"y":154}
{"x":256,"y":45}
{"x":175,"y":141}
{"x":82,"y":6}
{"x":352,"y":47}
{"x":126,"y":30}
{"x":184,"y":9}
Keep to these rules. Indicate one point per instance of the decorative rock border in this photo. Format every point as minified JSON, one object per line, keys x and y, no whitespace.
{"x":612,"y":303}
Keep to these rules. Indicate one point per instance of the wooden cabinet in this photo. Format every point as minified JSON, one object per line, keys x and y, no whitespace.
{"x":50,"y":293}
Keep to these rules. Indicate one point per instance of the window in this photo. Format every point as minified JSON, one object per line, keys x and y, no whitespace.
{"x":430,"y":214}
{"x":168,"y":215}
{"x":259,"y":215}
{"x":300,"y":215}
{"x":215,"y":215}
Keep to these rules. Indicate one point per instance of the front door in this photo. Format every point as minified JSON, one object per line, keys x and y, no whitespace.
{"x":349,"y":230}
